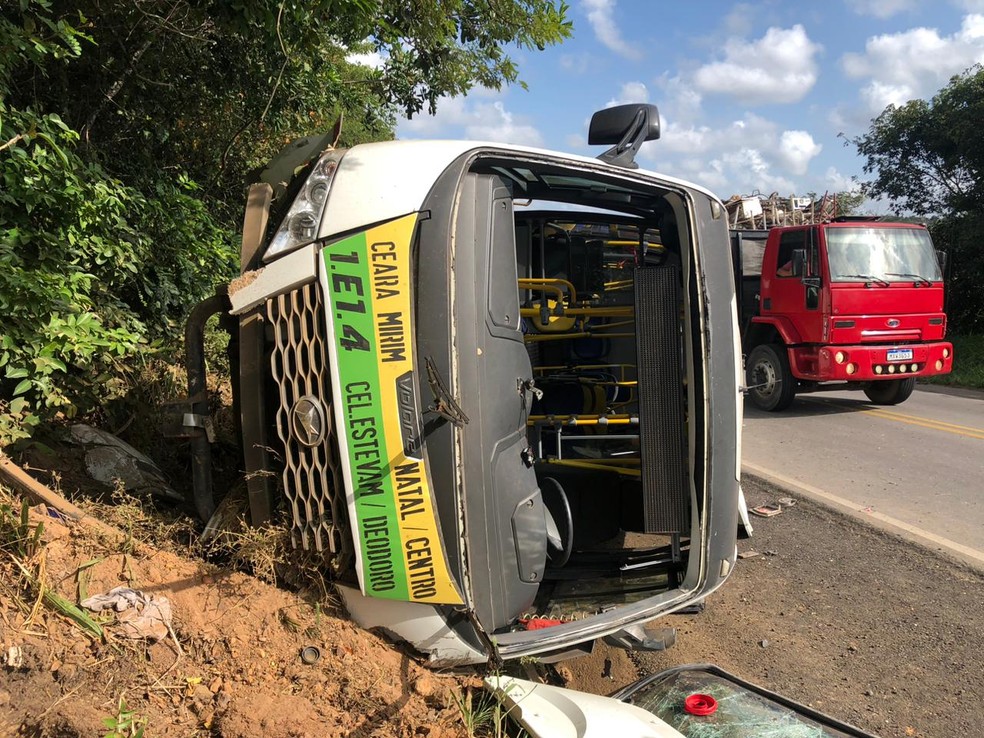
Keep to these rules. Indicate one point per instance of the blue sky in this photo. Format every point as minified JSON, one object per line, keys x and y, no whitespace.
{"x":752,"y":96}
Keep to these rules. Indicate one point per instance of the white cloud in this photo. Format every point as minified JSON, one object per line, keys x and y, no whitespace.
{"x":495,"y":123}
{"x":882,"y":8}
{"x":778,"y":68}
{"x":679,"y":100}
{"x":450,"y":116}
{"x":915,"y":63}
{"x":484,"y":119}
{"x":796,"y":149}
{"x":601,"y":17}
{"x":631,"y":92}
{"x":837,"y":182}
{"x":747,"y":155}
{"x":743,"y":171}
{"x":372,"y":59}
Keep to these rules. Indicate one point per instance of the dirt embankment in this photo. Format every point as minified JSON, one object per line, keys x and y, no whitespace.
{"x":855,"y":622}
{"x":235,"y":668}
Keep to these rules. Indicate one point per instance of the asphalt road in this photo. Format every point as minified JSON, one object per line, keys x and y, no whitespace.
{"x":915,"y":468}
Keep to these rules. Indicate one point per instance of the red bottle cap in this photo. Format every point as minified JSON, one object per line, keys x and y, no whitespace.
{"x":700,"y":704}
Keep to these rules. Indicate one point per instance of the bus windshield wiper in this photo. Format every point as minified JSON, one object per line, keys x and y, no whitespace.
{"x":917,"y":277}
{"x":867,"y":278}
{"x":444,"y":404}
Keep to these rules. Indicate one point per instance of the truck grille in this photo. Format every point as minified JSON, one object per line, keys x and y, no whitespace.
{"x":312,"y":474}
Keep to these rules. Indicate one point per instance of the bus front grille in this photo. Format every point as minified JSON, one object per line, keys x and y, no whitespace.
{"x":312,"y":476}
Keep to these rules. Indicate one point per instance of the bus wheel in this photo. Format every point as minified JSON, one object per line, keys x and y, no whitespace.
{"x":771,"y":385}
{"x":890,"y":391}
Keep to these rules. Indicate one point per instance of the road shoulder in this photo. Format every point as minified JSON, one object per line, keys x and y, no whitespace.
{"x":937,"y":544}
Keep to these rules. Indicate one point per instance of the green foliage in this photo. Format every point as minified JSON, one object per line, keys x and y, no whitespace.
{"x":33,"y":38}
{"x":215,"y":89}
{"x":959,"y":236}
{"x":128,"y":131}
{"x":125,"y":723}
{"x":91,"y":272}
{"x":17,"y":536}
{"x":850,"y":201}
{"x":968,"y":363}
{"x":59,"y":224}
{"x":927,"y":157}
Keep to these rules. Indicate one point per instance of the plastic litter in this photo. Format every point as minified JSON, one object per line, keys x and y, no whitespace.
{"x":14,"y":657}
{"x":766,"y":511}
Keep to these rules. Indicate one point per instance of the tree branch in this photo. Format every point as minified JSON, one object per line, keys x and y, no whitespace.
{"x":12,"y":141}
{"x":276,"y":84}
{"x":115,"y":88}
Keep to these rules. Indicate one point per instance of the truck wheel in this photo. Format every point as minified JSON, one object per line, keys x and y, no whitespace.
{"x":890,"y":391}
{"x":771,"y":385}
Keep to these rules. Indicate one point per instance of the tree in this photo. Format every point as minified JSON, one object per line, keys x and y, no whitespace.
{"x":127,"y":132}
{"x":213,"y":89}
{"x":927,"y":157}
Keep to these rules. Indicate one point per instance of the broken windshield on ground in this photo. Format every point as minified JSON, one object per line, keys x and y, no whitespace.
{"x":739,"y":713}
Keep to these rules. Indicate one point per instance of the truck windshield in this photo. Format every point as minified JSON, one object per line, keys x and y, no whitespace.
{"x":882,"y":254}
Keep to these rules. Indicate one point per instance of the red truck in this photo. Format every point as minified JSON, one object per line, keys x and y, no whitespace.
{"x":852,"y":303}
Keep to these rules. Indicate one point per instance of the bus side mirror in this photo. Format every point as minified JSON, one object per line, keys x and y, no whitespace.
{"x":941,"y":258}
{"x":626,"y":126}
{"x":799,"y":262}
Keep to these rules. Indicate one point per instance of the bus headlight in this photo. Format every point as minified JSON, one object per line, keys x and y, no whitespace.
{"x":300,"y":226}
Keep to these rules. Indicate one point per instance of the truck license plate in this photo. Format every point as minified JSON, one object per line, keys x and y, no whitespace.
{"x":900,"y":355}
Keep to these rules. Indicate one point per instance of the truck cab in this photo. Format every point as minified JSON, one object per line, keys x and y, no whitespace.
{"x":854,"y":302}
{"x":493,"y":388}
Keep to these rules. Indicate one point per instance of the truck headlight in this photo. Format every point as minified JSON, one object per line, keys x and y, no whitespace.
{"x":300,"y":226}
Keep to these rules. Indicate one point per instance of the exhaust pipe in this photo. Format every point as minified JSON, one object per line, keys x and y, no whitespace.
{"x":194,"y":421}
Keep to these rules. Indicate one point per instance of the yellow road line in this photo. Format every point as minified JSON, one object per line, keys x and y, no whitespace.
{"x":932,"y":420}
{"x":928,"y":423}
{"x":940,"y":425}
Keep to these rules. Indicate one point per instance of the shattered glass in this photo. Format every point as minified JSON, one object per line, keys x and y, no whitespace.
{"x":740,"y":713}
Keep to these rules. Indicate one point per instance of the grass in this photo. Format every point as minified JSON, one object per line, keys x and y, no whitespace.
{"x":968,"y":364}
{"x":483,"y":715}
{"x":142,"y":522}
{"x":26,"y":583}
{"x":125,"y":723}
